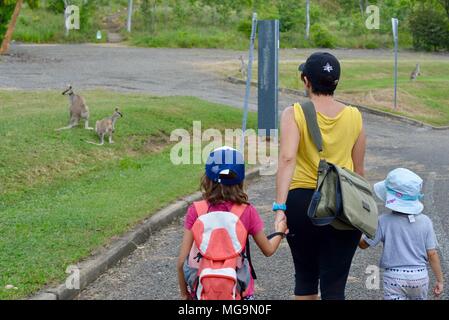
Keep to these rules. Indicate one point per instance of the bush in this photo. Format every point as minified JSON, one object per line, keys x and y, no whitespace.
{"x":321,"y":37}
{"x":55,"y":6}
{"x":245,"y":26}
{"x":430,"y":29}
{"x":6,"y":11}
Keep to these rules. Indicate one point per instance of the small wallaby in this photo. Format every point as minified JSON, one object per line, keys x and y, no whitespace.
{"x":415,"y":73}
{"x":78,"y":110}
{"x":106,"y":126}
{"x":243,"y":68}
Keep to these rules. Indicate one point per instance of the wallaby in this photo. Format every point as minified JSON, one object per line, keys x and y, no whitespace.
{"x":415,"y":73}
{"x":243,"y":68}
{"x":106,"y":126}
{"x":78,"y":110}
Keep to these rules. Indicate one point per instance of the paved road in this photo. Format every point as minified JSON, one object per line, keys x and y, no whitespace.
{"x":149,"y":273}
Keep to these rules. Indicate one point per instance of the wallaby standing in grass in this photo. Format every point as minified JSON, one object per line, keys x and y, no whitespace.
{"x":106,"y":126}
{"x":415,"y":73}
{"x":78,"y":110}
{"x":243,"y":68}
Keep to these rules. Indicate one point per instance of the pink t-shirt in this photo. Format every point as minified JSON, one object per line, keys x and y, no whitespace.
{"x":250,"y":219}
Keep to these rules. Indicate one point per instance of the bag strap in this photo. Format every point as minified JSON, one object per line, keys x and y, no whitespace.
{"x":312,"y":124}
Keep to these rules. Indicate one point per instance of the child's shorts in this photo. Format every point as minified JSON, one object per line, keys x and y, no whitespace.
{"x":406,"y":283}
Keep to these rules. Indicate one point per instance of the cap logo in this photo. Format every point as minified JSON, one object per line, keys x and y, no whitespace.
{"x":328,"y":67}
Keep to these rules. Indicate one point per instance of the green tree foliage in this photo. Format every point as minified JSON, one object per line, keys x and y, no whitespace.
{"x":321,"y":37}
{"x":6,"y":10}
{"x":334,"y":22}
{"x":430,"y":29}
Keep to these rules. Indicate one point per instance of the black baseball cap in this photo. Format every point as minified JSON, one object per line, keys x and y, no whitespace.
{"x":323,"y":71}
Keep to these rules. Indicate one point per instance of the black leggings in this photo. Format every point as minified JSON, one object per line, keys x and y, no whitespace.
{"x":321,"y":254}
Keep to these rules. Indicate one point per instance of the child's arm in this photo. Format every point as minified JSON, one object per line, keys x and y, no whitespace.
{"x":366,"y":242}
{"x":363,"y":244}
{"x":268,"y":247}
{"x":434,"y":261}
{"x":186,"y":245}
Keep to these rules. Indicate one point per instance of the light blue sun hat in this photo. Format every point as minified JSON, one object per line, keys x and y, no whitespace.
{"x":401,"y":191}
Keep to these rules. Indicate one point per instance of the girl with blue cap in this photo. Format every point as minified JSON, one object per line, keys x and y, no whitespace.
{"x":214,"y":262}
{"x":409,"y":241}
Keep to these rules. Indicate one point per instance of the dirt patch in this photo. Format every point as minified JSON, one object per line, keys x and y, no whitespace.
{"x":223,"y":68}
{"x":156,"y":143}
{"x":147,"y":144}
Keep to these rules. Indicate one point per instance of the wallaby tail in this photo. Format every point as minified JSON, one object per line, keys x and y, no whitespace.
{"x":94,"y":143}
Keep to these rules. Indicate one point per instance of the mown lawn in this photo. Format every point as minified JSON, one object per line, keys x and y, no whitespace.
{"x":370,"y":82}
{"x":61,"y":198}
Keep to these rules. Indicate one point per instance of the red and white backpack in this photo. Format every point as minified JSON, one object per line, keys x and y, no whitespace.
{"x":217,"y":267}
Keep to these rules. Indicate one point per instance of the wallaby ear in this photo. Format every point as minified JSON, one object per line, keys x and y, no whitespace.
{"x":116,"y":109}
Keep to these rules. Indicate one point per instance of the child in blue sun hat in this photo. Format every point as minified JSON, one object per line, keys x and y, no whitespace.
{"x":408,"y":238}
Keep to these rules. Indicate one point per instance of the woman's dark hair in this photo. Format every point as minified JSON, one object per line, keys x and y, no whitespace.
{"x":215,"y":192}
{"x":319,"y":92}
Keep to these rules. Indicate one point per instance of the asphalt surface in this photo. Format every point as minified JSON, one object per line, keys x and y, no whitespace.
{"x":149,"y":273}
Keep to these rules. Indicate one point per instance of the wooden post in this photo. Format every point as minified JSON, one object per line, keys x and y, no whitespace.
{"x":11,"y":26}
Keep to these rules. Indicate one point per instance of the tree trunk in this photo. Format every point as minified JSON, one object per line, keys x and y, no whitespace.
{"x":11,"y":26}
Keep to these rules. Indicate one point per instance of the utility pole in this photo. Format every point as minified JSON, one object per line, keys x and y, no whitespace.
{"x":130,"y":14}
{"x":66,"y":4}
{"x":307,"y":19}
{"x":395,"y":23}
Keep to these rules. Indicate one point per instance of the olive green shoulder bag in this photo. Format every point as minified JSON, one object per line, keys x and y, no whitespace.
{"x":342,"y":198}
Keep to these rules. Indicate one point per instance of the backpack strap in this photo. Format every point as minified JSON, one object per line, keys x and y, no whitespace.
{"x":248,"y":256}
{"x":238,"y":209}
{"x":312,"y":124}
{"x":201,"y":207}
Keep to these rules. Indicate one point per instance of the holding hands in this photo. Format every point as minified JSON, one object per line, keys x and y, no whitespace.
{"x":280,"y":222}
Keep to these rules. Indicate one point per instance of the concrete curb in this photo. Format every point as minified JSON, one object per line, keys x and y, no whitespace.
{"x":94,"y":266}
{"x":362,"y":108}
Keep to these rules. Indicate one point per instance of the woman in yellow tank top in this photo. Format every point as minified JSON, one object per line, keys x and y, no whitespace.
{"x":322,"y":255}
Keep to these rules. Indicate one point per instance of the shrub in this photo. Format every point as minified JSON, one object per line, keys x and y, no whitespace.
{"x":55,"y":6}
{"x":245,"y":26}
{"x":6,"y":10}
{"x":321,"y":37}
{"x":430,"y":29}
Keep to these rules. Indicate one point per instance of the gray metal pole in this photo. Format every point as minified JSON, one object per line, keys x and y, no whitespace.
{"x":130,"y":14}
{"x":248,"y":80}
{"x":395,"y":36}
{"x":307,"y":19}
{"x":66,"y":4}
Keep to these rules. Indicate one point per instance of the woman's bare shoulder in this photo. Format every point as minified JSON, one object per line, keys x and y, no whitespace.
{"x":289,"y":111}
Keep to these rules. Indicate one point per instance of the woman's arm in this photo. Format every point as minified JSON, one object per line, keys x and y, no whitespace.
{"x":186,"y":245}
{"x":290,"y":137}
{"x":358,"y":154}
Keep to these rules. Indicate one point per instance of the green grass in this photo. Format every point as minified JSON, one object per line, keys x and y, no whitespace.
{"x":370,"y":82}
{"x":190,"y":37}
{"x":43,"y":26}
{"x":62,"y":198}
